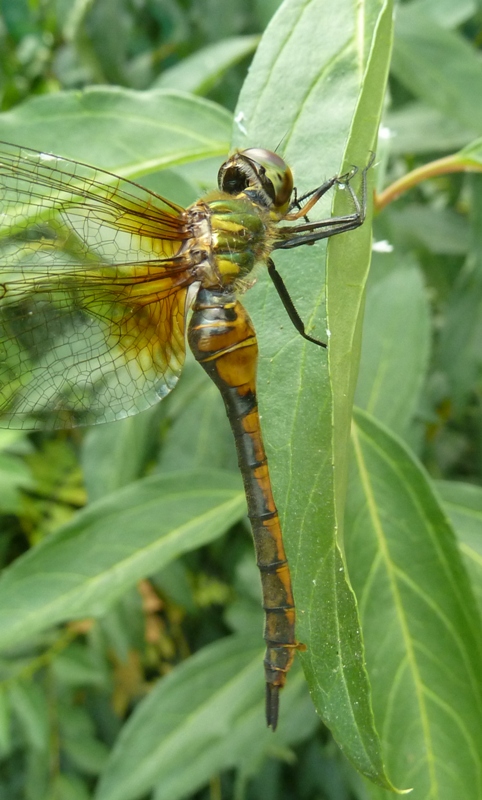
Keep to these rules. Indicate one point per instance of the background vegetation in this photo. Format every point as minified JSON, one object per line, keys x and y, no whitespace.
{"x":145,"y":690}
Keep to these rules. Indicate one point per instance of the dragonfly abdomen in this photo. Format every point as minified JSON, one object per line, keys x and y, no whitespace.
{"x":223,"y":340}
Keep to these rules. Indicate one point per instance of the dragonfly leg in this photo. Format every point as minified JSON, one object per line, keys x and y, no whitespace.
{"x":297,"y":235}
{"x":309,"y":199}
{"x":288,"y":303}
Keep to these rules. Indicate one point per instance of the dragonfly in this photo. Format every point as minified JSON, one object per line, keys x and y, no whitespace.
{"x":100,"y":279}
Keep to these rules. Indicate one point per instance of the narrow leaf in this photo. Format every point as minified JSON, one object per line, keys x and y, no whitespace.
{"x":201,"y":71}
{"x":329,"y":99}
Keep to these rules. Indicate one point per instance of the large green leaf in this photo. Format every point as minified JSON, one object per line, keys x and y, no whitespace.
{"x":90,"y":562}
{"x":209,"y":708}
{"x":315,"y":92}
{"x":130,"y":133}
{"x":422,"y":630}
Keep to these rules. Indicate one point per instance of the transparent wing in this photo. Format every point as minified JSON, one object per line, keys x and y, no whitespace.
{"x":94,"y":278}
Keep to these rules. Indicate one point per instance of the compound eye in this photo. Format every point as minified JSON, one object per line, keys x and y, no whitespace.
{"x":232,"y":179}
{"x":274,"y":174}
{"x":259,"y":170}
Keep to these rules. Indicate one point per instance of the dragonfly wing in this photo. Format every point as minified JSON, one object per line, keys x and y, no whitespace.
{"x":94,"y":279}
{"x":66,"y":361}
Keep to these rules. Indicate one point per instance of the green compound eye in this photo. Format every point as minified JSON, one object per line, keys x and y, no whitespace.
{"x":259,"y":169}
{"x":276,"y":172}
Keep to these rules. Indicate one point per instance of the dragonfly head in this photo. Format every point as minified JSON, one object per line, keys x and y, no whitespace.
{"x":260,"y":172}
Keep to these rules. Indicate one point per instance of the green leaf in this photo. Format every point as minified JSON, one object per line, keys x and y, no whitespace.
{"x":471,"y":153}
{"x":5,"y":723}
{"x":422,"y":630}
{"x":265,"y":10}
{"x":459,"y":355}
{"x":29,"y":704}
{"x":14,"y":476}
{"x":76,"y":666}
{"x":438,"y":66}
{"x":203,"y":69}
{"x":200,"y":434}
{"x":88,"y":564}
{"x":69,"y":787}
{"x":115,"y":454}
{"x":130,"y":133}
{"x":211,"y":708}
{"x":445,"y":12}
{"x":321,"y":113}
{"x":419,"y":128}
{"x":462,"y":503}
{"x":77,"y":739}
{"x":441,"y":230}
{"x":396,"y":341}
{"x":88,"y":754}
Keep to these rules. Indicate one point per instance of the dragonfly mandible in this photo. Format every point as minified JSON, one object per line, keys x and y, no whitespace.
{"x":97,"y":278}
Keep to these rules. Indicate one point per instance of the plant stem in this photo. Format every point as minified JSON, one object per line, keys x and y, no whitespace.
{"x":442,"y":166}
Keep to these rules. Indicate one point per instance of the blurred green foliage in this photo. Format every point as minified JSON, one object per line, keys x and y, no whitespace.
{"x":47,"y":45}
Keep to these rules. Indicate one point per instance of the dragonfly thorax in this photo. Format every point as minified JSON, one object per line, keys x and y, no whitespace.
{"x":255,"y":192}
{"x":240,"y":236}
